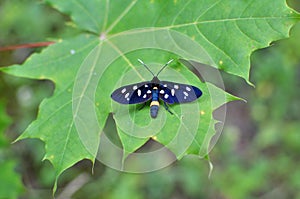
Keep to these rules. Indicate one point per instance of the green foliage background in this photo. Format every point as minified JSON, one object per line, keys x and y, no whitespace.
{"x":256,"y":157}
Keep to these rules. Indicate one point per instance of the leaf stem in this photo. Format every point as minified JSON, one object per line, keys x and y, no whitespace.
{"x":30,"y":45}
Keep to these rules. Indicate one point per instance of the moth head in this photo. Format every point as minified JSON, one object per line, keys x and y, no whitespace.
{"x":155,"y":80}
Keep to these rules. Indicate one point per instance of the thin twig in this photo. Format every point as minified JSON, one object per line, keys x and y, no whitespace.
{"x":30,"y":45}
{"x":74,"y":186}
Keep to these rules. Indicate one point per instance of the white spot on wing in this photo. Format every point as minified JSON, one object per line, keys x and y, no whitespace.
{"x":123,"y":90}
{"x":139,"y":92}
{"x":127,"y":95}
{"x":173,"y":92}
{"x":162,"y":92}
{"x":144,"y":96}
{"x":188,"y":88}
{"x":148,"y":91}
{"x":176,"y":86}
{"x":185,"y":93}
{"x":165,"y":85}
{"x":134,"y":87}
{"x":127,"y":98}
{"x":146,"y":86}
{"x":166,"y":96}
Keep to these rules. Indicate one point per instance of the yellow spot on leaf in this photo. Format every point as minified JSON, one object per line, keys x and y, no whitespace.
{"x":175,"y":1}
{"x":97,"y":104}
{"x":154,"y":137}
{"x":202,"y":112}
{"x":221,"y":62}
{"x":69,"y":90}
{"x":51,"y":157}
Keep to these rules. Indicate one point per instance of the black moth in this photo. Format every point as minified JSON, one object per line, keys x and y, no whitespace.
{"x":169,"y":92}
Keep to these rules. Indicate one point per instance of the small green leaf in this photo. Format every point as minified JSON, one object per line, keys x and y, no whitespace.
{"x":4,"y":122}
{"x":11,"y":184}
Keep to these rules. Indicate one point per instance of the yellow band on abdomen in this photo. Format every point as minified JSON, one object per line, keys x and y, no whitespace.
{"x":154,"y":103}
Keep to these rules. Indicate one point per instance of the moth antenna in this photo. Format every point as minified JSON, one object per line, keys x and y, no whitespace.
{"x":146,"y":67}
{"x":164,"y":66}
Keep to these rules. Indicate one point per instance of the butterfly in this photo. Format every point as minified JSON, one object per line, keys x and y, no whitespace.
{"x":168,"y":92}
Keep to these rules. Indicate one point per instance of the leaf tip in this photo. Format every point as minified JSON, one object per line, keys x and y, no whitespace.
{"x":250,"y":83}
{"x":210,"y":164}
{"x":234,"y":98}
{"x":93,"y":165}
{"x":54,"y":189}
{"x":21,"y":137}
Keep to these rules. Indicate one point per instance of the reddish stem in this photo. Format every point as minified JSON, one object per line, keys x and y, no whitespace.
{"x":32,"y":45}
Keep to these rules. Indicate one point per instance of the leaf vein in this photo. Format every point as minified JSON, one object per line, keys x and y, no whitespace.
{"x":127,"y":9}
{"x":188,"y":130}
{"x":180,"y":11}
{"x":87,"y":13}
{"x":209,"y":8}
{"x":125,"y":58}
{"x":105,"y":16}
{"x":274,"y":29}
{"x":60,"y":58}
{"x":215,"y":46}
{"x":246,"y":34}
{"x":140,"y":30}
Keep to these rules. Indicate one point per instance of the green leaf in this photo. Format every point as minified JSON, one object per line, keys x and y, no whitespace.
{"x":86,"y":69}
{"x":4,"y":122}
{"x":228,"y":31}
{"x":87,"y":15}
{"x":11,"y":184}
{"x":55,"y":125}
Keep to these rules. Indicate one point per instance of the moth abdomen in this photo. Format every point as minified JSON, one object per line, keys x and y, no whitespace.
{"x":154,"y":111}
{"x":154,"y":106}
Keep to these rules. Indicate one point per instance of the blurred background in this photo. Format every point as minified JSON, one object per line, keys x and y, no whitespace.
{"x":257,"y":155}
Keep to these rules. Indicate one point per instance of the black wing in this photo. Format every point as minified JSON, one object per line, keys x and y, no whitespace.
{"x":133,"y":93}
{"x":172,"y":92}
